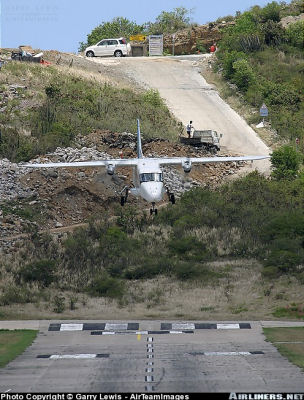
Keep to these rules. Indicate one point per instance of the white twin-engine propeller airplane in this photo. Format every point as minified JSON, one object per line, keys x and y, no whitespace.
{"x":148,"y":176}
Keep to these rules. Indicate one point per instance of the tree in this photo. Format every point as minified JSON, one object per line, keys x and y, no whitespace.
{"x":118,"y":27}
{"x":170,"y":22}
{"x":271,"y":12}
{"x":273,"y":33}
{"x":243,"y":75}
{"x":295,"y":34}
{"x":285,"y":163}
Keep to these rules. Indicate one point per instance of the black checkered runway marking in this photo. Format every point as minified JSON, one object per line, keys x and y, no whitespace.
{"x":191,"y":326}
{"x":94,"y":327}
{"x":118,"y":328}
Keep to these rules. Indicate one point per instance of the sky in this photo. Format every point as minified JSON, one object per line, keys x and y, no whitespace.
{"x":62,"y":24}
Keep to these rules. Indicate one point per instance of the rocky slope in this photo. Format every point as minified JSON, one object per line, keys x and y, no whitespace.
{"x":51,"y":198}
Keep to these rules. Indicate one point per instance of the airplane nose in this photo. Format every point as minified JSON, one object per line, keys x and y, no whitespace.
{"x":153,"y":191}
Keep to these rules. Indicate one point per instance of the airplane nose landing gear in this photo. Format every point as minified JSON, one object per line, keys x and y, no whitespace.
{"x":153,"y":210}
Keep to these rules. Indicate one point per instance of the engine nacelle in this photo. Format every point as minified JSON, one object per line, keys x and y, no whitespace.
{"x":110,"y":169}
{"x":187,"y":165}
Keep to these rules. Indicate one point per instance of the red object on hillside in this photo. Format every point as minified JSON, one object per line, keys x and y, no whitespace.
{"x":43,"y":62}
{"x":212,"y":49}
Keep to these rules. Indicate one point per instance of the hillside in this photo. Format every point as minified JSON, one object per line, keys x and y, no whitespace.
{"x":226,"y":249}
{"x":262,"y":55}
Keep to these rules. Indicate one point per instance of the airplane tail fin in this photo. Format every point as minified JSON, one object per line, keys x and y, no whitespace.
{"x":139,"y":148}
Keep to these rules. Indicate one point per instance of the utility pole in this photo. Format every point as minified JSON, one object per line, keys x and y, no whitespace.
{"x":173,"y":42}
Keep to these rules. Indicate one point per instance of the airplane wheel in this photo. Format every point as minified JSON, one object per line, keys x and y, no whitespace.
{"x":172,"y":198}
{"x":155,"y":211}
{"x":122,"y":201}
{"x":151,"y":211}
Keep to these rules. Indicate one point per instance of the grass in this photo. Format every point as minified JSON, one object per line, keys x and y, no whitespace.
{"x":292,"y":310}
{"x":61,"y":105}
{"x":13,"y":343}
{"x":293,"y":346}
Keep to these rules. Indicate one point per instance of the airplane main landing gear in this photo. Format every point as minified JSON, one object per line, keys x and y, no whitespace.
{"x":171,"y":197}
{"x":123,"y":198}
{"x":153,"y":210}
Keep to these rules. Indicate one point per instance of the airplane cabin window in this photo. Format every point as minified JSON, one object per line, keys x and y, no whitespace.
{"x":154,"y":177}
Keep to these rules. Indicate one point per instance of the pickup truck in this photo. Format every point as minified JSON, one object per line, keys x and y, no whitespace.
{"x":208,"y":139}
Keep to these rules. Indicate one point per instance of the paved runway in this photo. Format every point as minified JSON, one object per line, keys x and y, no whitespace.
{"x":149,"y":356}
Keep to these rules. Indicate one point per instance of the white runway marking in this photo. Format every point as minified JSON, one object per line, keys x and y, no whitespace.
{"x":228,"y":326}
{"x":178,"y":326}
{"x":71,"y":327}
{"x":227,"y":353}
{"x":69,"y":356}
{"x":113,"y":327}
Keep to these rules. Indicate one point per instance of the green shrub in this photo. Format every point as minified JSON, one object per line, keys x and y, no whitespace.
{"x":283,"y":260}
{"x":106,"y":286}
{"x":229,"y":58}
{"x":281,"y":94}
{"x":295,"y":34}
{"x":42,"y":271}
{"x":17,"y":295}
{"x":150,"y":267}
{"x":243,"y":75}
{"x":73,"y":301}
{"x":271,"y":12}
{"x":187,"y":270}
{"x":292,"y":310}
{"x":152,"y":97}
{"x":288,"y":225}
{"x":200,"y":46}
{"x":285,"y":162}
{"x":254,"y":96}
{"x":59,"y":304}
{"x":271,"y":272}
{"x":273,"y":33}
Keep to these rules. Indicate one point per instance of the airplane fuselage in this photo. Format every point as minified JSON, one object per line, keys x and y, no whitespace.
{"x":149,"y":181}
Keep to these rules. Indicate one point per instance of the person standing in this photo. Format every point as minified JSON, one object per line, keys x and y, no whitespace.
{"x":189,"y":128}
{"x":213,"y":48}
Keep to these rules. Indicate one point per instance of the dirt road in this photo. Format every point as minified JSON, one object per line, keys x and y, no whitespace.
{"x":190,"y":97}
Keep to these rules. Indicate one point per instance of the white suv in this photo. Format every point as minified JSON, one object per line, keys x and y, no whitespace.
{"x":108,"y":47}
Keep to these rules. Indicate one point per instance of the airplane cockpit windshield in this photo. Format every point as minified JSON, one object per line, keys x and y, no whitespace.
{"x":154,"y":177}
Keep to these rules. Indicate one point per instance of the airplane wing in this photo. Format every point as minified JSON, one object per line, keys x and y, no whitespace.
{"x":116,"y":162}
{"x":181,"y":160}
{"x":125,"y":162}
